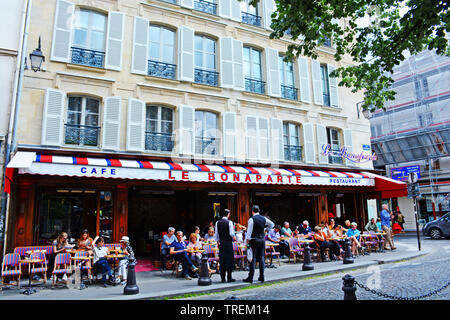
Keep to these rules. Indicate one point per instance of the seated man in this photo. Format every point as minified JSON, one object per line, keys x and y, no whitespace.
{"x":354,"y":235}
{"x":371,"y":226}
{"x":178,"y":250}
{"x":100,"y":261}
{"x":165,"y":246}
{"x":304,"y":229}
{"x":274,"y":236}
{"x":286,"y":231}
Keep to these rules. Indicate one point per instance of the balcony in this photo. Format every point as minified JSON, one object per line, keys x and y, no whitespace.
{"x":161,"y":69}
{"x":327,"y":42}
{"x":205,"y":6}
{"x":81,"y":135}
{"x":252,"y":19}
{"x":87,"y":57}
{"x":158,"y":141}
{"x":292,"y":153}
{"x":255,"y":86}
{"x":207,"y":146}
{"x":169,"y":1}
{"x":289,"y":92}
{"x":210,"y":78}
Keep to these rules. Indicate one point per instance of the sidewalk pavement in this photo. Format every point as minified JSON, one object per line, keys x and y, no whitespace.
{"x":160,"y":285}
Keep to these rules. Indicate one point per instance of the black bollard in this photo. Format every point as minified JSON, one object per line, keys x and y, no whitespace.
{"x":349,"y":287}
{"x":348,"y":258}
{"x":307,"y":265}
{"x":204,"y":279}
{"x":131,"y":287}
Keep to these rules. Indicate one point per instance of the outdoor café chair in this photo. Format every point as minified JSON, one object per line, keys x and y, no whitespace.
{"x":212,"y":254}
{"x":85,"y":266}
{"x":238,"y":255}
{"x":38,"y":268}
{"x":62,"y":266}
{"x":270,"y":253}
{"x":294,"y":249}
{"x":11,"y":268}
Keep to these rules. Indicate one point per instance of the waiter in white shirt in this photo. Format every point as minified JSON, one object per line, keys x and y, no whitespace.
{"x":225,"y":236}
{"x":255,"y":237}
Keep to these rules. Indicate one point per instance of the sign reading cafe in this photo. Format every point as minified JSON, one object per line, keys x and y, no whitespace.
{"x":344,"y":153}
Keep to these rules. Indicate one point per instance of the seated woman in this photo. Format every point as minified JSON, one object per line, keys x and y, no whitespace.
{"x":196,"y":257}
{"x":348,"y":225}
{"x":197,"y":233}
{"x":60,"y":244}
{"x":85,"y":242}
{"x":100,"y":261}
{"x":127,"y":250}
{"x":210,"y":235}
{"x":354,"y":235}
{"x":321,"y":239}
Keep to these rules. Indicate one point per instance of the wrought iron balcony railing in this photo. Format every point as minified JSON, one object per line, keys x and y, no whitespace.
{"x":208,"y":146}
{"x":161,"y":69}
{"x":88,"y":57}
{"x":210,"y":78}
{"x":81,"y":135}
{"x":292,"y":153}
{"x":327,"y":42}
{"x":169,"y":1}
{"x":205,"y":6}
{"x":252,"y":19}
{"x":289,"y":92}
{"x":158,"y":141}
{"x":254,"y":85}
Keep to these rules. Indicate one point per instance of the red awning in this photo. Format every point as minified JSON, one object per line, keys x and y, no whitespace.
{"x":389,"y":188}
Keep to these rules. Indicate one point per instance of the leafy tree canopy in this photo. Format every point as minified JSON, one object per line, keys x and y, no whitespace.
{"x":395,"y":28}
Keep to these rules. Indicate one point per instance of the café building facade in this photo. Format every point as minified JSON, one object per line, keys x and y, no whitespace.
{"x":153,"y":114}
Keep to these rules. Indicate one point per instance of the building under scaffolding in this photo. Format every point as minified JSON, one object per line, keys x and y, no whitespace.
{"x":415,"y":131}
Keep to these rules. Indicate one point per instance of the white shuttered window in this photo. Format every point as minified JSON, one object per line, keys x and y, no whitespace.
{"x":52,"y":121}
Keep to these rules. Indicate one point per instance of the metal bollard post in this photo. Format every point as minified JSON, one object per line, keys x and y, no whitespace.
{"x":131,"y":287}
{"x":348,"y":254}
{"x":204,"y":279}
{"x":349,"y":287}
{"x":307,"y":265}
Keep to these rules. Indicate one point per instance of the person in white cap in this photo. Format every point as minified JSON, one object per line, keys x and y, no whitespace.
{"x":123,"y":263}
{"x":354,"y":235}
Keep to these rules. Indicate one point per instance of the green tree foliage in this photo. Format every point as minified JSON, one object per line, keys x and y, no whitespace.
{"x":375,"y":48}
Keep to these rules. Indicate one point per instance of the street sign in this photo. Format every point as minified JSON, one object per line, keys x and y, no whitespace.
{"x":402,"y":173}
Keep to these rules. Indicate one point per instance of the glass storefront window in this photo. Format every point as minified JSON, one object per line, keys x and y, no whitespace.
{"x":106,"y":215}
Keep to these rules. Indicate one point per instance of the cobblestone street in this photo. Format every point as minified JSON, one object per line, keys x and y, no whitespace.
{"x":402,"y":279}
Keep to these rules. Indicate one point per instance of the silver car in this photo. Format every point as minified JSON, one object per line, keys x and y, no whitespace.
{"x":438,"y":228}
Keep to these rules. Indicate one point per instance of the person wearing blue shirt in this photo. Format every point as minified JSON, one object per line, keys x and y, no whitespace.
{"x":304,"y":229}
{"x":354,"y":235}
{"x":165,"y":246}
{"x":386,"y":218}
{"x":178,"y":250}
{"x":274,"y":236}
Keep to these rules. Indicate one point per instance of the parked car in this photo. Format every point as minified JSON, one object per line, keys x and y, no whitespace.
{"x":438,"y":228}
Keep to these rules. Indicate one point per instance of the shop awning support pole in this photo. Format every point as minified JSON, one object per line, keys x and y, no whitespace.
{"x":14,"y":116}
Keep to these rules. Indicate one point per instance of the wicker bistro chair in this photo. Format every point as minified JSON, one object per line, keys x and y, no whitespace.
{"x":213,"y":255}
{"x":239,"y":256}
{"x":371,"y":241}
{"x":11,"y":267}
{"x":42,"y":266}
{"x":295,"y":250}
{"x":270,"y":252}
{"x":62,"y":265}
{"x":86,"y":266}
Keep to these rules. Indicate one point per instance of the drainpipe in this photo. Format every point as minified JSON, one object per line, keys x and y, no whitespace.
{"x":14,"y":115}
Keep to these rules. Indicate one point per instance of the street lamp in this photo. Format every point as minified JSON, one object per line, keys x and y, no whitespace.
{"x":36,"y":58}
{"x":365,"y":112}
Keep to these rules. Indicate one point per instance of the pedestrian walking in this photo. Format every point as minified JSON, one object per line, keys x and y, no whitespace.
{"x":401,"y":220}
{"x":255,"y":238}
{"x":386,"y":218}
{"x":225,"y":236}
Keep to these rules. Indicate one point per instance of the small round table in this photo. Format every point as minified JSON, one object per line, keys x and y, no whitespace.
{"x":31,"y":262}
